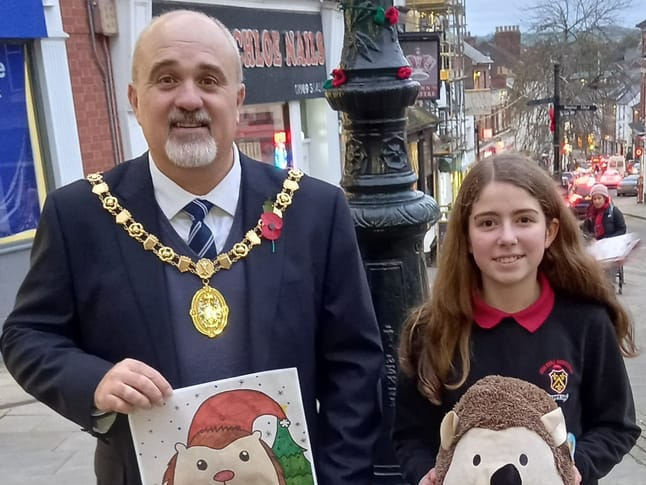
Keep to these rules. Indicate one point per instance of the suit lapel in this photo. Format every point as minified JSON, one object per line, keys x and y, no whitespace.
{"x":146,"y":272}
{"x":264,"y":263}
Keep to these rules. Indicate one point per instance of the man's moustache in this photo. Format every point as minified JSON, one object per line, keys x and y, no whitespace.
{"x":190,"y":118}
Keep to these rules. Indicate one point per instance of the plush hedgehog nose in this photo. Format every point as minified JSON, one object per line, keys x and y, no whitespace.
{"x":507,"y":475}
{"x":224,"y":476}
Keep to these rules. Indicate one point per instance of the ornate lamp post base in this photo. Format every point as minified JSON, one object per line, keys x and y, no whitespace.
{"x":372,"y":88}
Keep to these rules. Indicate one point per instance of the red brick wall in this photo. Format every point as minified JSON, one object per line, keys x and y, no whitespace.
{"x":88,"y":88}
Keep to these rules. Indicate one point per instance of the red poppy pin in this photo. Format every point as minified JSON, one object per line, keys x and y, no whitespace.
{"x":272,"y":225}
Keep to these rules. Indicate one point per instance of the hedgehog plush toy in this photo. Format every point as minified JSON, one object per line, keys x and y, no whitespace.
{"x":504,"y":431}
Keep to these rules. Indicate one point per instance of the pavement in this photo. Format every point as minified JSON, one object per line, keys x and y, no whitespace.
{"x":39,"y":446}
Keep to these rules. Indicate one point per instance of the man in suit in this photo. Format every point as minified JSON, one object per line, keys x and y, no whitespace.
{"x":101,"y":324}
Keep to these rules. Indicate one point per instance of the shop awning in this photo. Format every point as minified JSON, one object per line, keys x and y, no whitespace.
{"x":420,"y":119}
{"x":22,"y":19}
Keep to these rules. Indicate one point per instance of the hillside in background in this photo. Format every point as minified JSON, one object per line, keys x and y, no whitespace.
{"x":616,"y":33}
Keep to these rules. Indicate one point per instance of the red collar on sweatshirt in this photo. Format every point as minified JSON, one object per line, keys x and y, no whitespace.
{"x":531,"y":318}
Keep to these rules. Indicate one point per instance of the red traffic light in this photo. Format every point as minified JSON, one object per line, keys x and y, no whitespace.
{"x":639,"y":151}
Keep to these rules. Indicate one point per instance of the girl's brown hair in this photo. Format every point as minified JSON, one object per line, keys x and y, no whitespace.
{"x":435,"y":339}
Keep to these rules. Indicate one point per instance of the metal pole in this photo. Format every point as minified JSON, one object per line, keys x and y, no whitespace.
{"x":421,"y":163}
{"x":477,"y":134}
{"x":390,"y":216}
{"x":556,"y":141}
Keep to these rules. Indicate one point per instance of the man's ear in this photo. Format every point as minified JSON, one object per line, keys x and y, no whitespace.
{"x":242,"y":91}
{"x":133,"y":98}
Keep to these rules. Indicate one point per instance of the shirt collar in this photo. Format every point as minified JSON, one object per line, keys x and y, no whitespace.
{"x":530,"y":318}
{"x":172,"y":198}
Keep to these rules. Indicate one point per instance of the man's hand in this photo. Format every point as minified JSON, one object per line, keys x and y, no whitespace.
{"x":429,"y":479}
{"x":128,"y":385}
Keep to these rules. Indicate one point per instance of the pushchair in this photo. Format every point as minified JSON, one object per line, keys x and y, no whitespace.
{"x":615,"y":270}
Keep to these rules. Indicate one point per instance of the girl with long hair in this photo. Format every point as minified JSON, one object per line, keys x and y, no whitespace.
{"x":517,"y":294}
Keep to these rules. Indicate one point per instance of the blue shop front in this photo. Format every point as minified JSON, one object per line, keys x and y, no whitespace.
{"x":21,"y":179}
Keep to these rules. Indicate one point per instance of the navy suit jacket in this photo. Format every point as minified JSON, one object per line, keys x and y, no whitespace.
{"x":93,"y":296}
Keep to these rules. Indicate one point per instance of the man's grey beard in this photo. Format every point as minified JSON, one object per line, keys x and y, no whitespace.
{"x":196,"y":153}
{"x":199,"y":151}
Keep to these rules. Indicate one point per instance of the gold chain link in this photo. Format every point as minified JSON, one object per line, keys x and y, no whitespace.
{"x":203,"y":268}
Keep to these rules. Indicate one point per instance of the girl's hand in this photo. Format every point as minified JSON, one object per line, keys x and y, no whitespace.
{"x":577,"y":476}
{"x":431,"y":479}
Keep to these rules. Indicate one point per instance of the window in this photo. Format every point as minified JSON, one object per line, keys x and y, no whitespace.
{"x":21,"y":174}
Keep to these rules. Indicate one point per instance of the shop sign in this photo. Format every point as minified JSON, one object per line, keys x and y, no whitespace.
{"x":22,"y":19}
{"x":283,"y":53}
{"x":422,"y":51}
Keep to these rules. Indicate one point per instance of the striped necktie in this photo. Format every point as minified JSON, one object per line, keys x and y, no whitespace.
{"x":200,"y":237}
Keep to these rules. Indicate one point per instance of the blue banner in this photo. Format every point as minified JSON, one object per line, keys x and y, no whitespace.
{"x":22,"y":19}
{"x":19,"y":207}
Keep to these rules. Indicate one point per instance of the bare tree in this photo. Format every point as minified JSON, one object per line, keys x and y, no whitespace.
{"x":576,"y":34}
{"x":568,"y":19}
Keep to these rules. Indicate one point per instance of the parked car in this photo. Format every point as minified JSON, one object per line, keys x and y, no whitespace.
{"x":610,"y":178}
{"x":579,"y":198}
{"x":628,"y":185}
{"x":632,"y":166}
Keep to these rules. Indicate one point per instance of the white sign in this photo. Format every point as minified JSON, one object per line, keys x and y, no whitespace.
{"x":614,"y":249}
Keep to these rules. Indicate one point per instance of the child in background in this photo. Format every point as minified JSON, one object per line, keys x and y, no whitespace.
{"x":517,"y":294}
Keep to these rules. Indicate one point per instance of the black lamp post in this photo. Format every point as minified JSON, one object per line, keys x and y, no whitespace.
{"x":372,"y":89}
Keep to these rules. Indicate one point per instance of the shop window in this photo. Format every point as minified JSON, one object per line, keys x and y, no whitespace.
{"x":21,"y":171}
{"x":263,"y":133}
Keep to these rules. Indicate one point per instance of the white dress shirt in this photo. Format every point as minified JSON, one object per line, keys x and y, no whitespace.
{"x":224,"y":197}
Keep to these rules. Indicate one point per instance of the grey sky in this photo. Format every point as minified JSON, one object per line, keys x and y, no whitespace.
{"x":484,"y":15}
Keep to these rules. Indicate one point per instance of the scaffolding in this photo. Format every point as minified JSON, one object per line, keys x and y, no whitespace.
{"x":446,"y":17}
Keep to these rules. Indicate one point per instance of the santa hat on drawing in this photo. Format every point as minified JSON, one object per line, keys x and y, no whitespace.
{"x":239,"y":408}
{"x":236,"y":409}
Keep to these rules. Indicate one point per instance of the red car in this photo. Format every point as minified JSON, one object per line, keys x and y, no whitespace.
{"x":610,"y":178}
{"x":579,"y":199}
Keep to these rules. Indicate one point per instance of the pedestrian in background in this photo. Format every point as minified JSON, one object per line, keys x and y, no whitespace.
{"x":101,"y":324}
{"x":517,"y":294}
{"x":603,"y":218}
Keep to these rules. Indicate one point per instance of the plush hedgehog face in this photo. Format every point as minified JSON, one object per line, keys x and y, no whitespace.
{"x":513,"y":456}
{"x":504,"y":431}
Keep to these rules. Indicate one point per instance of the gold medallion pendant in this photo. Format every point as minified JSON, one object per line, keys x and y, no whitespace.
{"x":209,"y":311}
